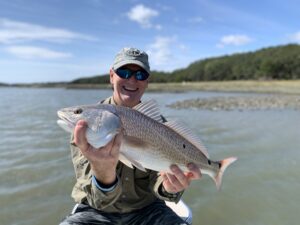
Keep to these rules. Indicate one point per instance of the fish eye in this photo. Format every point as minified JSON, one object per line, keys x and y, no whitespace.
{"x":78,"y":111}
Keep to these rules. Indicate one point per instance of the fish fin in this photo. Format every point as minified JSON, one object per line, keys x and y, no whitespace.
{"x":128,"y":161}
{"x":65,"y":126}
{"x":124,"y":160}
{"x":96,"y":140}
{"x":224,"y":164}
{"x":150,"y":108}
{"x":188,"y":134}
{"x":106,"y":119}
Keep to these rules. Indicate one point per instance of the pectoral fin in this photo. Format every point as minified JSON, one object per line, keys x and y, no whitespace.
{"x":128,"y":161}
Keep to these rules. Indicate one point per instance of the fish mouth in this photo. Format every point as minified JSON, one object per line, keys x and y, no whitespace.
{"x":130,"y":89}
{"x":62,"y":116}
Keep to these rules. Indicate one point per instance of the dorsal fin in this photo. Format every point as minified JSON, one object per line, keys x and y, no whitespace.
{"x":150,"y":109}
{"x":188,"y":134}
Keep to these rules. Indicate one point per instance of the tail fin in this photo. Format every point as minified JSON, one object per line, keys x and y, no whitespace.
{"x":224,"y":164}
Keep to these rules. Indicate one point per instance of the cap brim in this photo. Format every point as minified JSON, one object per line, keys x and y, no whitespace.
{"x":135,"y":62}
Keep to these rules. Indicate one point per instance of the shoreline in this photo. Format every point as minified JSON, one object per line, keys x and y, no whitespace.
{"x":243,"y":86}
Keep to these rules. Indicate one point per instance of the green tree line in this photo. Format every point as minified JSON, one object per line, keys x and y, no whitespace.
{"x":280,"y":62}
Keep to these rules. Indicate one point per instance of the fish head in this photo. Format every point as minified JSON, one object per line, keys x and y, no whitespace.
{"x":102,"y":124}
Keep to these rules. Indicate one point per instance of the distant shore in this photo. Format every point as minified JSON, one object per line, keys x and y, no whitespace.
{"x":281,"y":94}
{"x":273,"y":86}
{"x":285,"y":87}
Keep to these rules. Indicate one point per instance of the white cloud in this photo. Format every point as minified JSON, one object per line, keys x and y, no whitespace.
{"x":143,"y":16}
{"x":166,"y":53}
{"x":30,"y":52}
{"x":236,"y":40}
{"x":295,"y":37}
{"x":160,"y":51}
{"x":15,"y":31}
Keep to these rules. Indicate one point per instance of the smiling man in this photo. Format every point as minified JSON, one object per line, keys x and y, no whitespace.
{"x":106,"y":190}
{"x":129,"y":81}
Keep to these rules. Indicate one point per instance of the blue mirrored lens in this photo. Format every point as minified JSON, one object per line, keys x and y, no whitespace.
{"x":140,"y":75}
{"x":126,"y":74}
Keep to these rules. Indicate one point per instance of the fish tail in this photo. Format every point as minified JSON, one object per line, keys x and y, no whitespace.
{"x":223,"y":166}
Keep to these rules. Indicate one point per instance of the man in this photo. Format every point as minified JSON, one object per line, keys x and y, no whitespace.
{"x":109,"y":192}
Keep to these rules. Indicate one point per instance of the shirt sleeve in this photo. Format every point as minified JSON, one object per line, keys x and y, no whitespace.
{"x":85,"y":189}
{"x":101,"y":186}
{"x":159,"y":191}
{"x":101,"y":199}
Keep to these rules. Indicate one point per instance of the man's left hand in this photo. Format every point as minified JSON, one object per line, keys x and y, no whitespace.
{"x":178,"y":181}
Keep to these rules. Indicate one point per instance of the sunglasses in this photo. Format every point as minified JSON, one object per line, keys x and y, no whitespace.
{"x":140,"y":75}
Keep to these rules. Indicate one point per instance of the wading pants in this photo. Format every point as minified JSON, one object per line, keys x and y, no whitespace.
{"x":156,"y":213}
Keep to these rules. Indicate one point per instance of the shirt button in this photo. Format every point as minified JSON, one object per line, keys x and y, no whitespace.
{"x":126,"y":178}
{"x":123,"y":196}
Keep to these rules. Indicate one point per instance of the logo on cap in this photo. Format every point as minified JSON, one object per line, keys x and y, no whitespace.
{"x":133,"y":52}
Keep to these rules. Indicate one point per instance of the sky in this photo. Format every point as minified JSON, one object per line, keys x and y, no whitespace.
{"x":62,"y":40}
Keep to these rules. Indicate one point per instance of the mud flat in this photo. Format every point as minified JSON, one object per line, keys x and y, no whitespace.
{"x":255,"y":102}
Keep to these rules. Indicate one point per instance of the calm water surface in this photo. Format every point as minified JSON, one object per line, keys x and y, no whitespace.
{"x":261,"y":188}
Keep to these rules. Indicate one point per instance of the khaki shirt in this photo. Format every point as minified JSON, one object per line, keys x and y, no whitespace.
{"x":135,"y":189}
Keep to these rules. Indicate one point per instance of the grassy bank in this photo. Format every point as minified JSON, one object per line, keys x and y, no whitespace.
{"x":287,"y":87}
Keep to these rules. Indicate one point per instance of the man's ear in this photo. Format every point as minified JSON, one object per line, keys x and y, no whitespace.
{"x":111,"y":76}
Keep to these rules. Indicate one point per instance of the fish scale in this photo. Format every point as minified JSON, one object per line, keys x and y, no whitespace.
{"x":152,"y":133}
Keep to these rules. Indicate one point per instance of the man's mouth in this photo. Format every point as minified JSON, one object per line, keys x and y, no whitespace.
{"x":130,"y":89}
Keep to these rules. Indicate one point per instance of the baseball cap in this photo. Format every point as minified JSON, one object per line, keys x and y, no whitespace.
{"x":129,"y":55}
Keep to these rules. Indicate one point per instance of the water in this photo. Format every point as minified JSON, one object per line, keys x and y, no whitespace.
{"x":261,"y":188}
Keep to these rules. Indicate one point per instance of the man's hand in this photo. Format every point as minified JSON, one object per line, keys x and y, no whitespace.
{"x":178,"y":181}
{"x":103,"y":160}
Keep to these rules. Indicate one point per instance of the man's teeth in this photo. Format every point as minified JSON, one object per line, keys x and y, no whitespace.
{"x":130,"y":89}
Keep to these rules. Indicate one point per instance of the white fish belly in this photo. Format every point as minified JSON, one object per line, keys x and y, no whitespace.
{"x":148,"y":158}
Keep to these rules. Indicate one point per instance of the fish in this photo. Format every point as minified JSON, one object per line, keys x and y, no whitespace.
{"x":148,"y":142}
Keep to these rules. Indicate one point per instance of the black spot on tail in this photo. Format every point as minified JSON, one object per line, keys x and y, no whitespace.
{"x":209,"y":162}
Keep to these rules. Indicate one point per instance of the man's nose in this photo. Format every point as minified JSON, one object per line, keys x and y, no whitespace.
{"x":132,"y":79}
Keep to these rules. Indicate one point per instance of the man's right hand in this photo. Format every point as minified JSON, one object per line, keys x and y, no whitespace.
{"x":103,"y":160}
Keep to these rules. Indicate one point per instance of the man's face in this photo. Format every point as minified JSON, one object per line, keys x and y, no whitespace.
{"x":127,"y":92}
